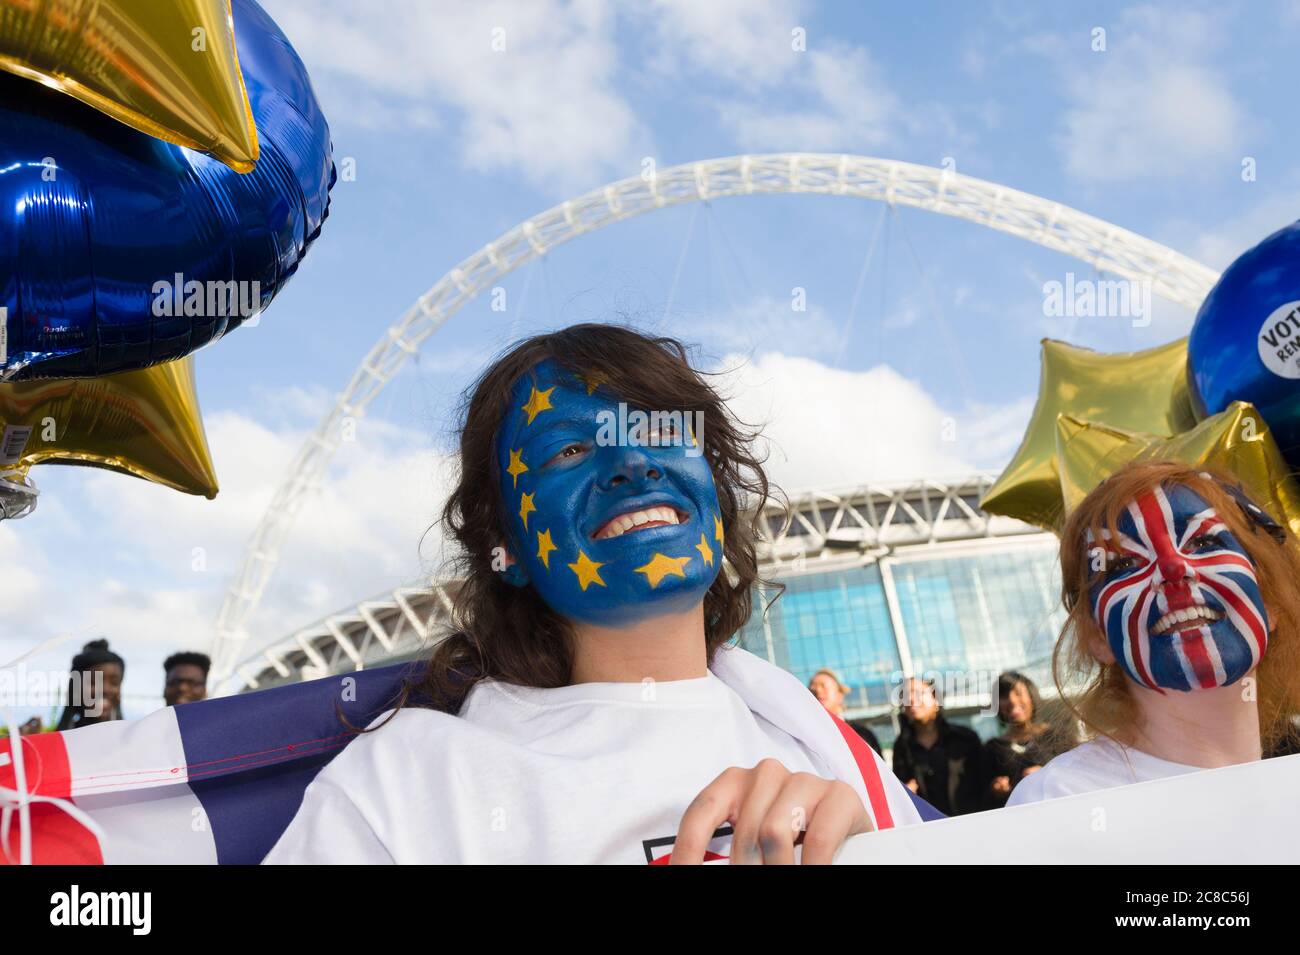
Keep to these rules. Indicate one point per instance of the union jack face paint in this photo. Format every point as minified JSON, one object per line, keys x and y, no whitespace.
{"x":1176,"y":594}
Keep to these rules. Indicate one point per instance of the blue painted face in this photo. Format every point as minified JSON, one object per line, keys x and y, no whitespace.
{"x":611,"y":528}
{"x":1176,"y":594}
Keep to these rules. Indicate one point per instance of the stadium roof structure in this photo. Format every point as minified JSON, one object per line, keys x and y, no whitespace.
{"x":826,"y":529}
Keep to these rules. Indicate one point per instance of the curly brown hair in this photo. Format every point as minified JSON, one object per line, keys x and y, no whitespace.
{"x":1104,"y":704}
{"x":509,"y":633}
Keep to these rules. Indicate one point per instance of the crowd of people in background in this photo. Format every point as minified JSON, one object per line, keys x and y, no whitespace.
{"x":947,"y":764}
{"x":95,"y":686}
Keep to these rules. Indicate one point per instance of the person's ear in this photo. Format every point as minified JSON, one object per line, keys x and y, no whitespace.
{"x":1095,"y":642}
{"x":505,"y":564}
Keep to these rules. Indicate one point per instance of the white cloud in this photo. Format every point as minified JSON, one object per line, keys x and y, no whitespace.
{"x":826,"y":96}
{"x":747,"y":42}
{"x":544,"y":106}
{"x":829,"y":427}
{"x":849,"y":108}
{"x":1152,"y":105}
{"x":158,"y":562}
{"x":20,"y":582}
{"x":760,"y":324}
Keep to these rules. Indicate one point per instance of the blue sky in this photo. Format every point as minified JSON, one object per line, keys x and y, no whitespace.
{"x":454,"y":143}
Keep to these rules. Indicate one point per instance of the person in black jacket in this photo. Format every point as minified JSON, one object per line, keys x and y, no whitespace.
{"x":939,"y":761}
{"x":1025,"y":747}
{"x":830,"y":691}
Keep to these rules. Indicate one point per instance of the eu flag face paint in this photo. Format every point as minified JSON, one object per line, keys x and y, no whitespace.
{"x":1176,"y":594}
{"x":610,"y":527}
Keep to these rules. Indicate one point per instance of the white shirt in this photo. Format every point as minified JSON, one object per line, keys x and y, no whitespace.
{"x":1101,"y":763}
{"x":591,"y":773}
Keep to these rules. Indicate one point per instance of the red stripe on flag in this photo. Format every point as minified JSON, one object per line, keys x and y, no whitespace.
{"x":45,"y":764}
{"x":866,"y":760}
{"x":57,"y":838}
{"x":708,"y":857}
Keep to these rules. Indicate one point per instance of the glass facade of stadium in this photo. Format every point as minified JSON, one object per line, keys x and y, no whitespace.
{"x":959,"y":613}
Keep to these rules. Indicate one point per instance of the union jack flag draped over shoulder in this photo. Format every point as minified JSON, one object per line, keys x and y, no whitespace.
{"x":218,"y":781}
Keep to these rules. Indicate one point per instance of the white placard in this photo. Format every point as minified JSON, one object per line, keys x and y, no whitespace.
{"x":1248,"y":813}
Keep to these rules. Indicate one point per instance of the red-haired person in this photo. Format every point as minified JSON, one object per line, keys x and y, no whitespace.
{"x":1182,"y":627}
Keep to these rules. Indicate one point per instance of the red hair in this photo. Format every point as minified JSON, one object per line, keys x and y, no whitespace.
{"x":1105,"y":704}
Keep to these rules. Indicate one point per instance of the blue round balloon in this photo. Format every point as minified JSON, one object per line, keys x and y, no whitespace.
{"x":1245,"y":343}
{"x":118,"y":250}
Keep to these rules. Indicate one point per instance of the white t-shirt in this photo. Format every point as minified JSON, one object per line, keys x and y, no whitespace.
{"x":591,"y":773}
{"x":1101,"y":763}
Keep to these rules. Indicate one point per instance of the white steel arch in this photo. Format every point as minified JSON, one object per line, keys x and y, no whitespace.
{"x":1107,"y":247}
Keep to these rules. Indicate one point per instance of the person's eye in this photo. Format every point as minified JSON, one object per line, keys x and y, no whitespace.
{"x":568,"y":451}
{"x":1203,"y":542}
{"x":1118,"y":564}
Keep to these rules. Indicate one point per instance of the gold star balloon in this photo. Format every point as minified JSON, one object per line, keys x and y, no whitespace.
{"x":168,"y":68}
{"x":145,"y":423}
{"x":1144,"y":391}
{"x":1235,"y":441}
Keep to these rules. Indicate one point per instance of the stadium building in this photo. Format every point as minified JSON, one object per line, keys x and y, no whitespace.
{"x":878,"y":581}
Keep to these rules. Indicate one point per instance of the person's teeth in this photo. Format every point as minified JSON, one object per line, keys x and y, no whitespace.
{"x":622,"y":524}
{"x":1175,"y":617}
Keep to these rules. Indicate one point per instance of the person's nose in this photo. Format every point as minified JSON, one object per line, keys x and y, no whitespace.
{"x":1172,"y":567}
{"x":626,"y":467}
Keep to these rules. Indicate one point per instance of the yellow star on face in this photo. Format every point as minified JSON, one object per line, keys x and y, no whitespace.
{"x":588,"y":571}
{"x":661,"y":566}
{"x":544,"y":548}
{"x":593,"y":380}
{"x":526,"y":507}
{"x":717,"y":528}
{"x":517,"y":466}
{"x":705,"y":551}
{"x":538,"y":401}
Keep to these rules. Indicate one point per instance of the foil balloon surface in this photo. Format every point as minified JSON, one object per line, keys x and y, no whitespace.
{"x":1144,"y":391}
{"x":1245,"y":342}
{"x":167,"y":69}
{"x":145,"y":423}
{"x":119,"y":251}
{"x":1236,"y":441}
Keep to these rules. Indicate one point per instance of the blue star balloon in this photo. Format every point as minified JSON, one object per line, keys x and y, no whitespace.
{"x":119,"y":251}
{"x":1245,"y":343}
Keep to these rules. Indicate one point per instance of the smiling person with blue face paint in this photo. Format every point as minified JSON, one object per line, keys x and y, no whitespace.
{"x":1184,"y":623}
{"x":588,"y":706}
